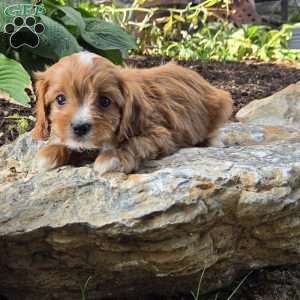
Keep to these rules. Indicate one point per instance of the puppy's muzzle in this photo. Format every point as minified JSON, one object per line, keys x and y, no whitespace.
{"x":81,"y":129}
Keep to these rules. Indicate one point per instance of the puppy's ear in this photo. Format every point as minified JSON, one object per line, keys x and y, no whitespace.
{"x":128,"y":114}
{"x":41,"y":129}
{"x":134,"y":108}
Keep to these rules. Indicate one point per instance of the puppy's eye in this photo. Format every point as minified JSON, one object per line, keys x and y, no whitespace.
{"x":61,"y":99}
{"x":103,"y":102}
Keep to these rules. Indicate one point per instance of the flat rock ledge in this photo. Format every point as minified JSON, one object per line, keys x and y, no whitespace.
{"x":228,"y":209}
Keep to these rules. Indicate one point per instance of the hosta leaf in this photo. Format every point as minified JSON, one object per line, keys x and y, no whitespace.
{"x":107,"y":36}
{"x":114,"y":55}
{"x":13,"y":80}
{"x":71,"y":18}
{"x":56,"y":41}
{"x":32,"y":62}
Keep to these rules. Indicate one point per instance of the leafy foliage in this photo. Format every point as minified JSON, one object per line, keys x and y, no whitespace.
{"x":67,"y":32}
{"x":181,"y":34}
{"x":21,"y":123}
{"x":221,"y":41}
{"x":106,"y":36}
{"x":56,"y":42}
{"x":14,"y":79}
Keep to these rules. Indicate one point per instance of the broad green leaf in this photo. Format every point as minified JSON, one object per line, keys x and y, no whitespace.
{"x":56,"y":41}
{"x":114,"y":55}
{"x":32,"y":62}
{"x":107,"y":36}
{"x":13,"y":80}
{"x":70,"y":17}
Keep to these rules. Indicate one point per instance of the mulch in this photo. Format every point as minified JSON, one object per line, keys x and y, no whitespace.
{"x":245,"y":81}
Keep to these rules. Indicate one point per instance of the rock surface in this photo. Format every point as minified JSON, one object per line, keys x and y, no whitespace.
{"x":282,"y":108}
{"x":226,"y":209}
{"x":237,"y":134}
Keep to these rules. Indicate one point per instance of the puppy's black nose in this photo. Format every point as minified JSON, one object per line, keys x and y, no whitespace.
{"x":81,"y":129}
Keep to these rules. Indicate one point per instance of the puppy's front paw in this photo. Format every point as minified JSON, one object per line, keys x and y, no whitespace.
{"x":107,"y":162}
{"x":51,"y":157}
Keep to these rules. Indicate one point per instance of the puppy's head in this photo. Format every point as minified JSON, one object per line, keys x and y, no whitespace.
{"x":83,"y":102}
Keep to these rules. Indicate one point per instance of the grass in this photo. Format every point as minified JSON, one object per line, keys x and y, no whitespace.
{"x":83,"y":289}
{"x":196,"y":295}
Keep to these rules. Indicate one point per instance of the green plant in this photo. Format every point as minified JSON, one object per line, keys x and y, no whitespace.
{"x":83,"y":289}
{"x":22,"y":123}
{"x":223,"y":41}
{"x":14,"y":80}
{"x":187,"y":34}
{"x":197,"y":295}
{"x":239,"y":285}
{"x":152,"y":29}
{"x":67,"y":31}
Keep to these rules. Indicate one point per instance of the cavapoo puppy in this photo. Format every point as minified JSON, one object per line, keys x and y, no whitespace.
{"x":132,"y":115}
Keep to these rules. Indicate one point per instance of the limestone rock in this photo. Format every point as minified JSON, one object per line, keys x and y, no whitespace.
{"x":237,"y":134}
{"x":282,"y":108}
{"x":226,"y":209}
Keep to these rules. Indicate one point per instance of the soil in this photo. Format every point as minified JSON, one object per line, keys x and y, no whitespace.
{"x":281,"y":283}
{"x":245,"y":81}
{"x":277,"y":283}
{"x":9,"y":129}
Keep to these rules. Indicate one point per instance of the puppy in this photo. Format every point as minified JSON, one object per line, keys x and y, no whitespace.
{"x":133,"y":115}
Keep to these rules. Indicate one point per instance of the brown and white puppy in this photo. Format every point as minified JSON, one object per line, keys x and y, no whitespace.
{"x":86,"y":102}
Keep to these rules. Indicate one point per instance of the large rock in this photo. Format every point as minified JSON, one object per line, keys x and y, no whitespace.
{"x":237,"y":134}
{"x":226,"y":209}
{"x":282,"y":108}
